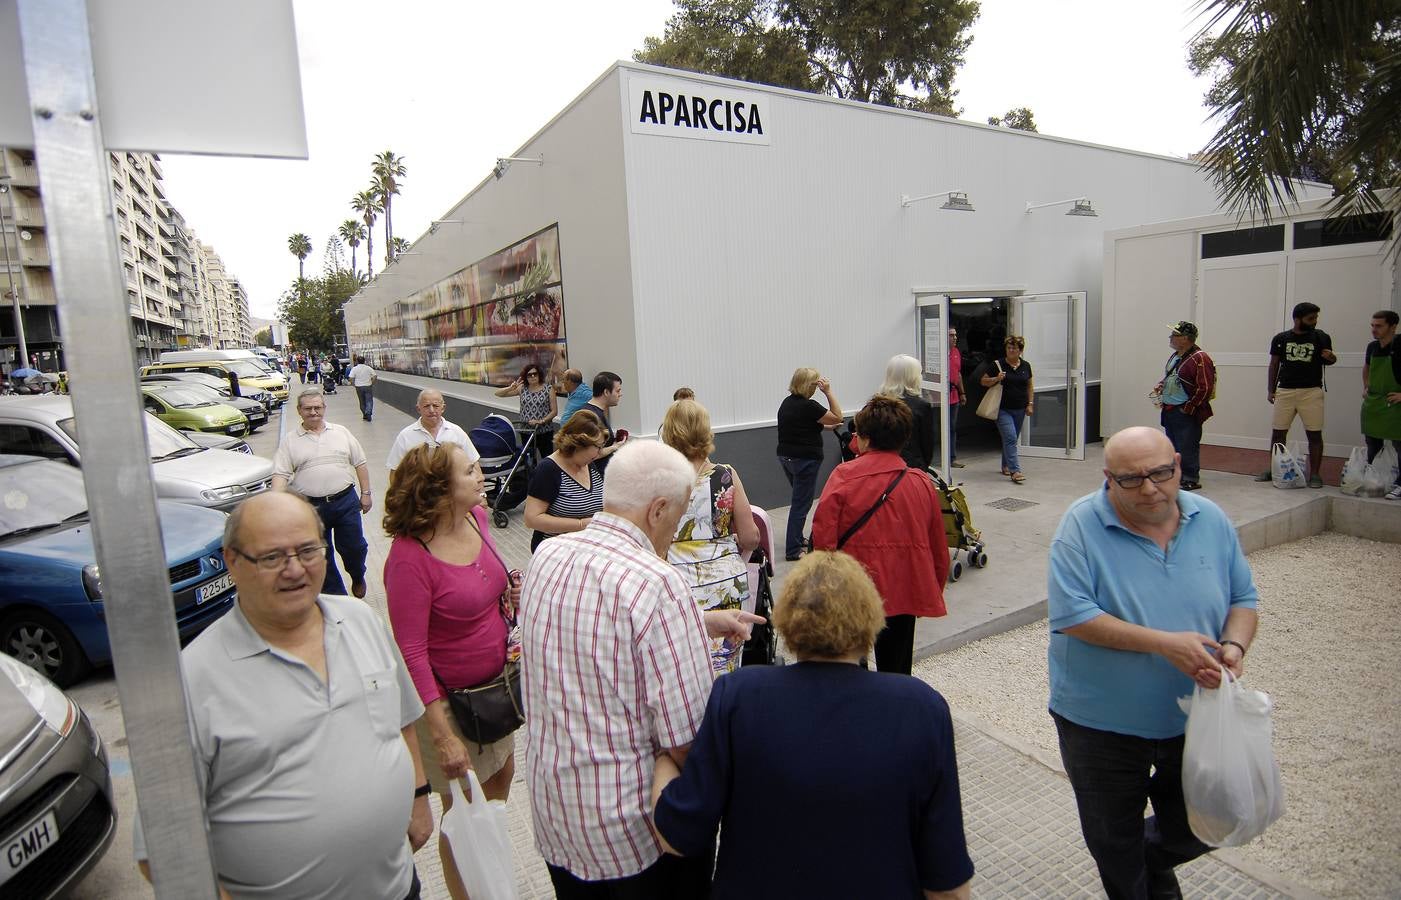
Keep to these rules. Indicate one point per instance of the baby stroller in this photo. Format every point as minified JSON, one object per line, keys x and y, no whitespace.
{"x":762,"y":647}
{"x":506,"y":463}
{"x":958,"y":528}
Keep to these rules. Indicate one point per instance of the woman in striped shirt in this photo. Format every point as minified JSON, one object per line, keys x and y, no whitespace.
{"x":567,"y":487}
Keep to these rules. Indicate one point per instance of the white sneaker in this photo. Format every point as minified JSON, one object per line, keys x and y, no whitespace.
{"x":1394,"y":493}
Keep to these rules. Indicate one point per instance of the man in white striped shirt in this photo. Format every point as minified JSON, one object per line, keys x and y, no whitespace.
{"x":617,"y":671}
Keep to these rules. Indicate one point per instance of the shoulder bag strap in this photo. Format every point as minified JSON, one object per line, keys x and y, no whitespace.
{"x":866,"y":516}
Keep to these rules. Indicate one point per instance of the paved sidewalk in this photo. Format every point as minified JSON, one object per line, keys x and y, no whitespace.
{"x":1019,"y":811}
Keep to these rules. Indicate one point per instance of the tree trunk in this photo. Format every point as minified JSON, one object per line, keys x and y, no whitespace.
{"x":388,"y":233}
{"x":352,"y":258}
{"x":370,"y":249}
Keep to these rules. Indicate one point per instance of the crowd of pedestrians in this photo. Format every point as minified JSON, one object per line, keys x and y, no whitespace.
{"x":656,"y":762}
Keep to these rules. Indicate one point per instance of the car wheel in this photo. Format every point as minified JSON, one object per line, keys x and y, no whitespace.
{"x":41,"y":642}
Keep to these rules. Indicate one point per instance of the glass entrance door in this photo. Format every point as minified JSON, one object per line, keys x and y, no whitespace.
{"x":1054,"y":328}
{"x":932,"y":343}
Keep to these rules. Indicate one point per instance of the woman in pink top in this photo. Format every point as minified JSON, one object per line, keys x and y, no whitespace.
{"x":444,"y":579}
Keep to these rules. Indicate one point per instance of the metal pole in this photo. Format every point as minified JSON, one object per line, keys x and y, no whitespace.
{"x":57,"y":49}
{"x":8,"y":191}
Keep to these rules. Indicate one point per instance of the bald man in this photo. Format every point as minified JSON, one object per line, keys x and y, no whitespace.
{"x":1149,"y":593}
{"x":429,"y":428}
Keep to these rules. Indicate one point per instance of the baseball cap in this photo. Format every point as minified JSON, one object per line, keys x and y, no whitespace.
{"x":1184,"y":328}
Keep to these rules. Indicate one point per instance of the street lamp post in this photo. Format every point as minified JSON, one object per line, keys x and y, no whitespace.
{"x":9,"y":269}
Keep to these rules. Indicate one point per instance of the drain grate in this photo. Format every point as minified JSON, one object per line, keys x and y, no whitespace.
{"x":1012,"y":504}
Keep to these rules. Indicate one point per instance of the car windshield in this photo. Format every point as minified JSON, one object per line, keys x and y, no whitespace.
{"x":40,"y":494}
{"x":199,"y":378}
{"x":164,"y":442}
{"x":243,"y":368}
{"x":186,"y":396}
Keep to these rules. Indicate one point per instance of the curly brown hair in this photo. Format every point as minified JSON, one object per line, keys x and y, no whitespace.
{"x":584,"y":429}
{"x":420,"y":490}
{"x":885,"y":422}
{"x":829,"y":607}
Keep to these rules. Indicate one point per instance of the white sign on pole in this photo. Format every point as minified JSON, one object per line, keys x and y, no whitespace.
{"x":179,"y":76}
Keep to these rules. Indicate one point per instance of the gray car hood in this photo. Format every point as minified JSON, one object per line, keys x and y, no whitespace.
{"x":184,"y":477}
{"x":17,"y":717}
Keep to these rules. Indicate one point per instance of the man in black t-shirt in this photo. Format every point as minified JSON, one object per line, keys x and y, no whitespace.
{"x":1295,"y":387}
{"x":801,"y":424}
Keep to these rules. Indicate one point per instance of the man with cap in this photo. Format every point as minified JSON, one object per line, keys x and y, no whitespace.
{"x":1189,"y":383}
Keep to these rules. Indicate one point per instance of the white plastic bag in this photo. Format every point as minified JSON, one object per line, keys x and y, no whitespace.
{"x":1352,"y":472}
{"x":1230,"y":779}
{"x":1387,"y":464}
{"x":1288,"y":470}
{"x":481,"y":845}
{"x":1374,"y":482}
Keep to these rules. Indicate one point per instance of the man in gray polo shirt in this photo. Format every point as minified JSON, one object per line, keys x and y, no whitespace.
{"x":302,"y":714}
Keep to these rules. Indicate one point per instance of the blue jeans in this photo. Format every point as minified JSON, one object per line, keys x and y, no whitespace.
{"x":1185,"y":432}
{"x":953,"y":431}
{"x":802,"y":476}
{"x":1114,"y":776}
{"x":366,"y":396}
{"x":1009,"y":425}
{"x":345,"y":536}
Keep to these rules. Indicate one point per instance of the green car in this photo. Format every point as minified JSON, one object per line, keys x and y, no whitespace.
{"x":187,"y":410}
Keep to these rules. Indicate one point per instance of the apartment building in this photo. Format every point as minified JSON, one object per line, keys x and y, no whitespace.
{"x":178,"y":292}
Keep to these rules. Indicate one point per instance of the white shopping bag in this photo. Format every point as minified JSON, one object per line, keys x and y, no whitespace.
{"x":1374,"y":482}
{"x":481,"y":845}
{"x":1230,"y":779}
{"x":1288,"y":470}
{"x":1353,"y":471}
{"x":1387,"y":463}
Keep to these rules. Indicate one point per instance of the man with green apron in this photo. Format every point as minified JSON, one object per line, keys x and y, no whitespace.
{"x":1381,"y":383}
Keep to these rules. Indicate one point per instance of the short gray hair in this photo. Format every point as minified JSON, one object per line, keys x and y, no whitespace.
{"x":643,"y":471}
{"x":310,"y":392}
{"x":427,"y":391}
{"x":901,"y":377}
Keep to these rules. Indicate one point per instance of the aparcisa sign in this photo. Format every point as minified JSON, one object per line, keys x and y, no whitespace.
{"x":699,"y":111}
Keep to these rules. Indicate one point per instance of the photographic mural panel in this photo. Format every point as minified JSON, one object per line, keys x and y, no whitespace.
{"x":481,"y":324}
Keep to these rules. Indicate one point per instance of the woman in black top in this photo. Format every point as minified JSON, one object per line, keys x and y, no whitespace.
{"x":567,"y":487}
{"x":801,"y":420}
{"x":1018,"y":400}
{"x":902,"y":383}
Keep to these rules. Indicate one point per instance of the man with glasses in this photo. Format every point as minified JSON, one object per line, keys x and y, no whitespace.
{"x":429,"y":428}
{"x":1149,"y":592}
{"x":322,"y":462}
{"x":302,"y":714}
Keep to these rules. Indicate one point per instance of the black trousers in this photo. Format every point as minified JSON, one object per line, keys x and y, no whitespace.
{"x":895,"y":645}
{"x":669,"y":878}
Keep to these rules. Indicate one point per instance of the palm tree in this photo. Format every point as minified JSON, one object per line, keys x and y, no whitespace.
{"x":397,"y":245}
{"x":300,"y":246}
{"x":368,"y":205}
{"x":386,"y":170}
{"x":351,"y":232}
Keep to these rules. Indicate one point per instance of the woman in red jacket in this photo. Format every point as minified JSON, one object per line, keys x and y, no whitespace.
{"x":901,"y":543}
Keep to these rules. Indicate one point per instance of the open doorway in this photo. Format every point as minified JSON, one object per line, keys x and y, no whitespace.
{"x":982,"y":325}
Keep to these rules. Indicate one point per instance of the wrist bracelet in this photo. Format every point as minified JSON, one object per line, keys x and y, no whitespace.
{"x":1237,"y":644}
{"x":423,"y":790}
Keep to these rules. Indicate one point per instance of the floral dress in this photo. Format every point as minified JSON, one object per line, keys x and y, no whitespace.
{"x":706,"y":553}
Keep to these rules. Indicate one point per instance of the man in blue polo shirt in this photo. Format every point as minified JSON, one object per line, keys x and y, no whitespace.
{"x":577,"y":393}
{"x":1149,"y":592}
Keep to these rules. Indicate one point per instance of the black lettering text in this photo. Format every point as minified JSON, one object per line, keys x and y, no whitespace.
{"x":714,"y":118}
{"x":729,"y":116}
{"x":665,"y":103}
{"x":683,"y":111}
{"x":698,"y":111}
{"x":649,"y":108}
{"x":754,"y":126}
{"x":740,"y":123}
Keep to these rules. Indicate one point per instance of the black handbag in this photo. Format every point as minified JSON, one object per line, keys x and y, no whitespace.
{"x":489,"y":712}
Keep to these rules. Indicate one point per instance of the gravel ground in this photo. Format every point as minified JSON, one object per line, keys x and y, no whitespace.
{"x":1327,"y":653}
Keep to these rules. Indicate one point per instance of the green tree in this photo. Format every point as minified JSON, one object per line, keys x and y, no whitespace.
{"x":333,"y":256}
{"x":369,"y":206}
{"x":893,"y":52}
{"x":1019,"y":118}
{"x":387,"y":171}
{"x":313,"y":313}
{"x":1303,"y":90}
{"x":263,"y":337}
{"x":398,"y":245}
{"x":299,"y":245}
{"x":352,"y":232}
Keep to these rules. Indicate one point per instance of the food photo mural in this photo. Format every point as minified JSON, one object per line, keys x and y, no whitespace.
{"x":482,"y":324}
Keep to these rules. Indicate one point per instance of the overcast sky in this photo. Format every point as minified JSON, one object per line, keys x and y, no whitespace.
{"x":452,"y":86}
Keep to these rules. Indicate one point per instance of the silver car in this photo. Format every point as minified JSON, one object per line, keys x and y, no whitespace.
{"x":183,"y":470}
{"x":57,"y":817}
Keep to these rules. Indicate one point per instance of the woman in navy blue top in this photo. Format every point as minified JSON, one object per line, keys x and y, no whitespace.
{"x":824,"y":779}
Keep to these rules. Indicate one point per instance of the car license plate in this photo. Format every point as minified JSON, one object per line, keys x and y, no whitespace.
{"x":28,"y":844}
{"x":213,"y":589}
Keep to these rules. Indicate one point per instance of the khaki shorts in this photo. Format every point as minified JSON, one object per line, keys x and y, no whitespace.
{"x":1306,"y":402}
{"x":487,"y":759}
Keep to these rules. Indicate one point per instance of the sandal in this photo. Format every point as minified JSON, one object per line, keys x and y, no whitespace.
{"x":1018,"y":478}
{"x":1006,"y":471}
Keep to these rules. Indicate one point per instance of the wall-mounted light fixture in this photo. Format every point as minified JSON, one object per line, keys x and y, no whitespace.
{"x":504,"y":162}
{"x":957,"y":200}
{"x":1080,"y":206}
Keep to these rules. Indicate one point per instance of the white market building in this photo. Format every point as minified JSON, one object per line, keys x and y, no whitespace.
{"x":765,"y":229}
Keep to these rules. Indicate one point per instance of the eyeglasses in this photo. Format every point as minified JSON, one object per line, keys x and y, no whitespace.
{"x":1157,"y":476}
{"x":277,"y":560}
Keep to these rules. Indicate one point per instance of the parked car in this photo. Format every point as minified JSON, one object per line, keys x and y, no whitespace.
{"x":214,"y":382}
{"x":178,"y":396}
{"x":185,"y":409}
{"x":249,"y":373}
{"x":57,"y":815}
{"x":217,"y":441}
{"x":183,"y":470}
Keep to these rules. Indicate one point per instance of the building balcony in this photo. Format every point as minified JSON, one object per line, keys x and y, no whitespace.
{"x":34,"y":256}
{"x":23,"y":172}
{"x":28,"y":215}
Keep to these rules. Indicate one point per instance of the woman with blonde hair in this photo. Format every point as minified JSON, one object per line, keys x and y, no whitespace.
{"x":863,"y":808}
{"x":1018,"y":400}
{"x":801,"y":420}
{"x":567,"y":487}
{"x":716,"y":533}
{"x":902,"y":383}
{"x":448,"y":593}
